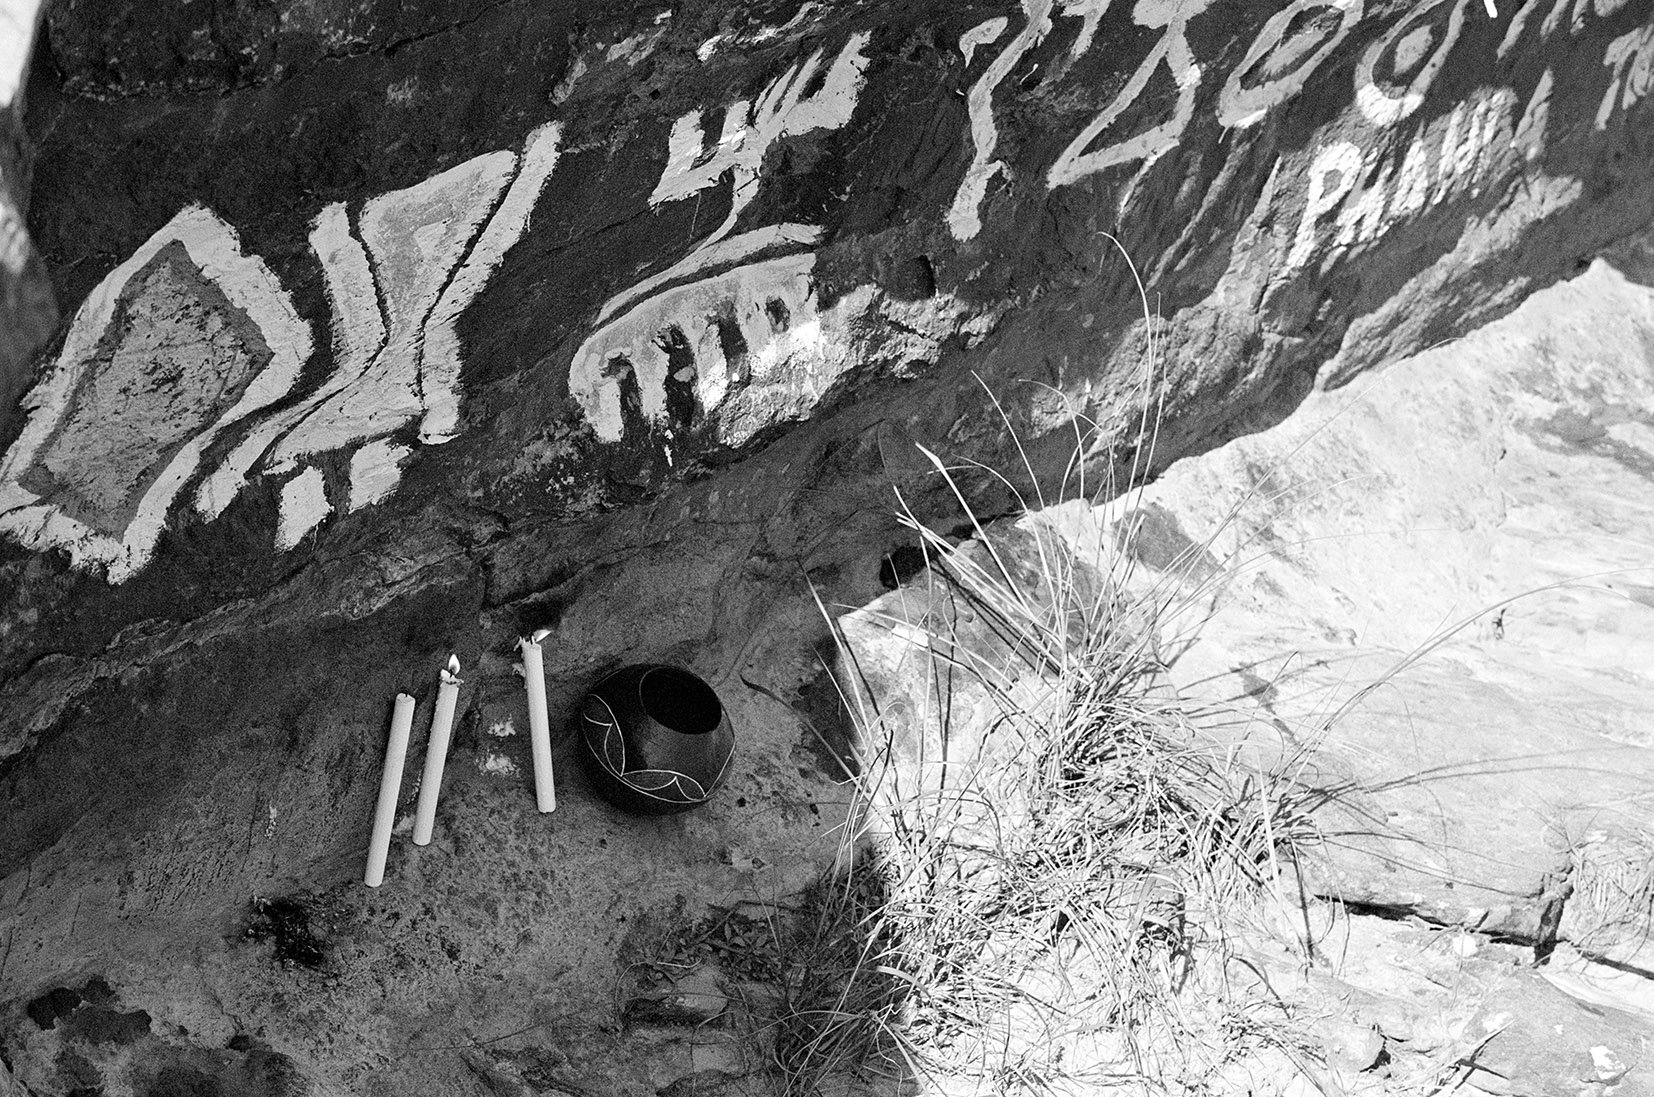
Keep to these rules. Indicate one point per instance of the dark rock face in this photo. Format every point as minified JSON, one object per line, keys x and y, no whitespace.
{"x":400,"y":329}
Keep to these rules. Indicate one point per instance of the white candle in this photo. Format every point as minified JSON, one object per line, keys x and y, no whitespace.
{"x":539,"y":728}
{"x":390,"y":787}
{"x":436,"y":753}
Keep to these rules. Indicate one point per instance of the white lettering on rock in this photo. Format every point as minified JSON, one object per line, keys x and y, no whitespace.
{"x":1282,"y":36}
{"x":1332,"y":175}
{"x":1366,"y":194}
{"x":184,"y":340}
{"x":1414,"y":48}
{"x":1171,"y":50}
{"x":749,"y":129}
{"x":964,"y":218}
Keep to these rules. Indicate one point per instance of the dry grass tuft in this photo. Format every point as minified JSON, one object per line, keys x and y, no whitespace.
{"x":1040,"y":902}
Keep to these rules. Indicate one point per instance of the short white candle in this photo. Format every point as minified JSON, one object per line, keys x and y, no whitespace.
{"x":436,"y":753}
{"x":390,"y":788}
{"x":539,"y":728}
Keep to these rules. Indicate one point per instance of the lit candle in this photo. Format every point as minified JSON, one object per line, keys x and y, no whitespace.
{"x":390,"y":787}
{"x":539,"y":728}
{"x":436,"y":753}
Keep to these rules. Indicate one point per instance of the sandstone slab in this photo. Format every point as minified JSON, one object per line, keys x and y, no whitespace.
{"x":1434,"y":583}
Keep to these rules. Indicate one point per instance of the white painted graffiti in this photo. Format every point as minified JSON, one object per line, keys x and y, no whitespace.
{"x":1172,"y":50}
{"x":662,"y":332}
{"x":964,"y":217}
{"x":187,"y":337}
{"x":1630,"y":57}
{"x":1352,"y":197}
{"x":1553,"y":19}
{"x":1415,"y":48}
{"x":1286,"y":38}
{"x":418,"y":258}
{"x":190,"y":339}
{"x":1287,"y":49}
{"x":179,"y":376}
{"x":1366,"y":194}
{"x":1393,"y":75}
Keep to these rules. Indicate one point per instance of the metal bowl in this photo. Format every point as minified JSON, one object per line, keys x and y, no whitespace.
{"x":655,"y":739}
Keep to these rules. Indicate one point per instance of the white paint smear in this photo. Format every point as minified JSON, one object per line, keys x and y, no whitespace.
{"x":358,"y":335}
{"x":375,"y":471}
{"x":981,"y":35}
{"x":1240,"y":106}
{"x":440,"y":346}
{"x":723,"y":253}
{"x":250,"y":286}
{"x":633,"y":343}
{"x":1630,"y":58}
{"x":781,"y":110}
{"x":1382,"y":107}
{"x":705,"y":50}
{"x":303,"y":506}
{"x":1172,"y":50}
{"x":496,"y":765}
{"x":419,"y":259}
{"x":1530,"y":138}
{"x":964,"y":217}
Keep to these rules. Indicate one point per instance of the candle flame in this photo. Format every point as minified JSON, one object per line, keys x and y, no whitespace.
{"x":539,"y":634}
{"x":453,"y":664}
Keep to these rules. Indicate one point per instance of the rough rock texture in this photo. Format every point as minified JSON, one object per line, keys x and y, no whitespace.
{"x":622,"y":318}
{"x":1438,"y":584}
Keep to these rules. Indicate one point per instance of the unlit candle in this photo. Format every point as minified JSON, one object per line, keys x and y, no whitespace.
{"x":539,"y":727}
{"x":390,"y":788}
{"x":436,"y":753}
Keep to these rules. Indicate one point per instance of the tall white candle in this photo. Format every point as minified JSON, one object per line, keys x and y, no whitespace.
{"x":539,"y":727}
{"x":436,"y":753}
{"x":390,"y":787}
